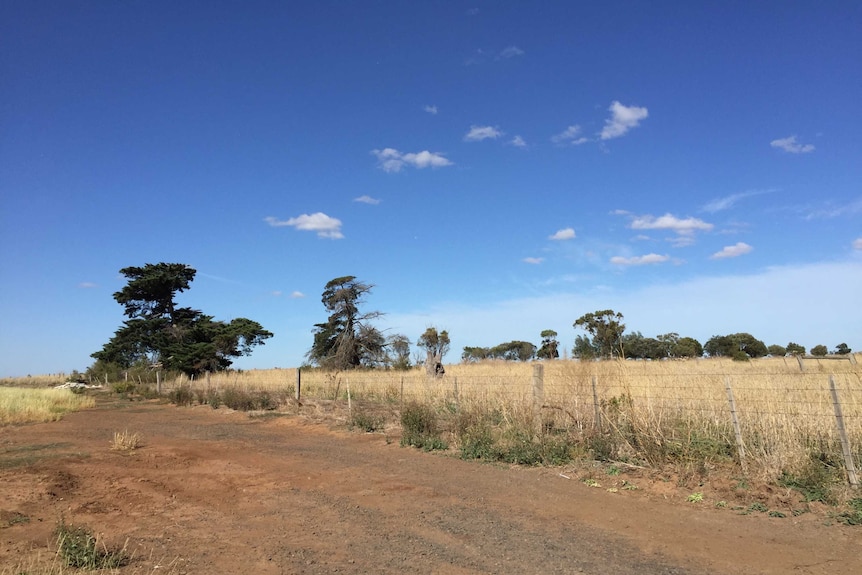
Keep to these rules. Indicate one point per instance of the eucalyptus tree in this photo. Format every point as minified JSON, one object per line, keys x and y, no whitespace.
{"x":606,"y":328}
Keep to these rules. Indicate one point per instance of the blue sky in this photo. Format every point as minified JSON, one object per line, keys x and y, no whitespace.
{"x":493,"y":168}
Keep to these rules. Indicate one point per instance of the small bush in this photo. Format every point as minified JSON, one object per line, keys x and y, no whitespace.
{"x":854,"y":515}
{"x":365,"y":421}
{"x":182,"y":396}
{"x":815,"y":481}
{"x":419,"y":428}
{"x":213,"y":398}
{"x":123,"y":387}
{"x":125,"y":441}
{"x":78,"y":547}
{"x":238,"y":399}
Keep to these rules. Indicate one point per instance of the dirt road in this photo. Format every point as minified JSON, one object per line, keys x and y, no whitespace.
{"x":219,"y":492}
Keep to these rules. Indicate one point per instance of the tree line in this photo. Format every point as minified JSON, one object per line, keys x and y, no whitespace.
{"x":159,"y":333}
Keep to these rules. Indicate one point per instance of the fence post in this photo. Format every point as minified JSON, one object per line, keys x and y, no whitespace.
{"x":158,"y":382}
{"x":740,"y":447}
{"x":298,"y":384}
{"x":401,"y":398}
{"x":801,"y":363}
{"x":457,"y":396}
{"x":538,"y":394}
{"x":598,"y":417}
{"x":852,"y":478}
{"x":349,"y":404}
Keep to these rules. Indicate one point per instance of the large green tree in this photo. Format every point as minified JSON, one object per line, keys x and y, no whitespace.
{"x":606,"y":328}
{"x":549,"y":349}
{"x":347,"y":339}
{"x":158,"y":332}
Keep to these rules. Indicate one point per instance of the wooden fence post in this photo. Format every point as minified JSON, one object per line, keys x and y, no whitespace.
{"x":298,"y":384}
{"x":538,"y":394}
{"x":401,"y":398}
{"x":801,"y":363}
{"x":852,"y":478}
{"x":158,"y":382}
{"x":597,"y":423}
{"x":740,"y":447}
{"x":349,"y":403}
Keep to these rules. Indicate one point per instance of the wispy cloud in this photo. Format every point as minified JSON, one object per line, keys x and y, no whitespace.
{"x":431,"y":109}
{"x":833,"y":211}
{"x":534,"y":261}
{"x":276,"y":293}
{"x":639,"y":260}
{"x":391,"y":160}
{"x":518,"y":142}
{"x":323,"y":225}
{"x":87,"y":285}
{"x":510,"y":52}
{"x":789,"y":144}
{"x":367,"y":200}
{"x":623,"y":119}
{"x":857,"y":244}
{"x":734,"y":251}
{"x":564,"y":234}
{"x":571,"y":135}
{"x":727,"y":202}
{"x":297,"y":295}
{"x":479,"y":133}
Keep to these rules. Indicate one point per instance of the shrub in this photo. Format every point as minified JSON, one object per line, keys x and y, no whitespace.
{"x":125,"y":441}
{"x":238,"y":399}
{"x":365,"y":421}
{"x":814,"y":480}
{"x":419,"y":427}
{"x":213,"y":398}
{"x":78,"y":547}
{"x":182,"y":396}
{"x":122,"y":387}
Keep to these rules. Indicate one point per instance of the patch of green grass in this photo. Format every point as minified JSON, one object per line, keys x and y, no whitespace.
{"x":695,"y":497}
{"x":365,"y":421}
{"x":78,"y":547}
{"x":854,"y":515}
{"x":758,"y":506}
{"x":815,"y":481}
{"x":420,"y":428}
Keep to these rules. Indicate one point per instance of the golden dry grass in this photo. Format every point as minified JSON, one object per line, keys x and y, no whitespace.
{"x":126,"y":441}
{"x":23,"y":405}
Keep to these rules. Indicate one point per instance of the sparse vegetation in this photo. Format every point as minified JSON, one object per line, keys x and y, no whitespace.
{"x":126,"y":441}
{"x":78,"y":547}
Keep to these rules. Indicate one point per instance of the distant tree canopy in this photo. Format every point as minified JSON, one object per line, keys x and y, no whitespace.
{"x":842,"y":349}
{"x":606,"y":328}
{"x":347,"y":340}
{"x":177,"y":338}
{"x":735,"y":346}
{"x":819,"y":350}
{"x":436,"y":345}
{"x":795,"y":349}
{"x":510,"y":351}
{"x":777,"y":350}
{"x":669,"y":345}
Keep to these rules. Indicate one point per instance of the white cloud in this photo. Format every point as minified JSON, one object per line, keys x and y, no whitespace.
{"x":325,"y":226}
{"x":534,"y":261}
{"x":367,"y":200}
{"x":833,"y":211}
{"x":479,"y":133}
{"x":519,"y":142}
{"x":391,"y":160}
{"x":789,"y":144}
{"x":728,"y":202}
{"x":570,"y":135}
{"x":857,"y":244}
{"x":87,"y":285}
{"x":682,"y":226}
{"x":276,"y":293}
{"x":564,"y":234}
{"x":431,"y":109}
{"x":297,"y":295}
{"x":734,"y":251}
{"x":623,"y":119}
{"x":511,"y":52}
{"x":639,"y":260}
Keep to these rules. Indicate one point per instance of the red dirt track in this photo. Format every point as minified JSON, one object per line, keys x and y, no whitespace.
{"x":213,"y":491}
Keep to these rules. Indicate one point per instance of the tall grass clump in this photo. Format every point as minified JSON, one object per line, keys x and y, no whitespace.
{"x":420,"y":427}
{"x":79,"y":548}
{"x":20,"y":405}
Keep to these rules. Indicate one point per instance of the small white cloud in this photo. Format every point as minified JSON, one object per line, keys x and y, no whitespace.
{"x":534,"y":261}
{"x":789,"y":144}
{"x":682,"y":226}
{"x":391,"y":160}
{"x":367,"y":200}
{"x":570,"y":135}
{"x":734,"y":251}
{"x":297,"y":295}
{"x":857,"y":244}
{"x":276,"y":293}
{"x":564,"y":234}
{"x":639,"y":260}
{"x":623,"y":119}
{"x":431,"y":109}
{"x":519,"y":142}
{"x":325,"y":226}
{"x":511,"y":52}
{"x":87,"y":285}
{"x":479,"y":133}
